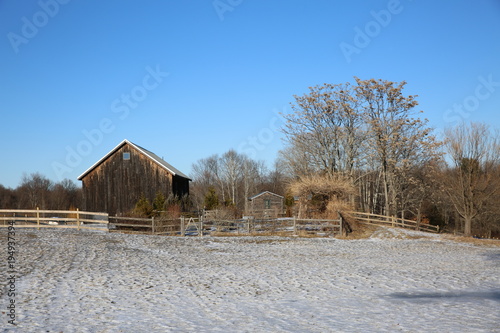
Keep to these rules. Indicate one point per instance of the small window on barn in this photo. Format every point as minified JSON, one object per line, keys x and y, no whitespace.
{"x":267,"y":203}
{"x":126,"y":156}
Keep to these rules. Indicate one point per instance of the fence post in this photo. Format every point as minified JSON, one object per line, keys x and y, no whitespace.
{"x":78,"y":219}
{"x":182,"y":226}
{"x":38,"y":218}
{"x":341,"y":225}
{"x":294,"y":225}
{"x":201,"y":228}
{"x":153,"y":225}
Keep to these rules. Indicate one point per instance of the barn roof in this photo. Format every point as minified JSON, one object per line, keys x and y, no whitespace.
{"x":146,"y":152}
{"x":265,"y":192}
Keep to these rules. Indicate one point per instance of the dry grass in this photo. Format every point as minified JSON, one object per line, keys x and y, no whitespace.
{"x":360,"y":230}
{"x":366,"y":230}
{"x":325,"y":194}
{"x":131,"y":232}
{"x":471,"y":240}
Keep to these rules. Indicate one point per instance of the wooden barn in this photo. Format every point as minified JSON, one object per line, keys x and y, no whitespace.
{"x":117,"y":181}
{"x":266,"y":205}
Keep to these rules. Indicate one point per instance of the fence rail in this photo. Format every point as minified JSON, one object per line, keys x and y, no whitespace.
{"x":394,"y":221}
{"x":194,"y":226}
{"x":189,"y":226}
{"x":155,"y":225}
{"x":183,"y":226}
{"x":269,"y":226}
{"x":69,"y":219}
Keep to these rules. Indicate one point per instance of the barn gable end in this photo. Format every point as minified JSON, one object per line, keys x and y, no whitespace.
{"x":116,"y":182}
{"x":266,"y":205}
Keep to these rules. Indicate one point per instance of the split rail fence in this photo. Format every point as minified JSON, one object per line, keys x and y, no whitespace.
{"x":183,"y":226}
{"x":189,"y":226}
{"x":38,"y":218}
{"x":394,"y":222}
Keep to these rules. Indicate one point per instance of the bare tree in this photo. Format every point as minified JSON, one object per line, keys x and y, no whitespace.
{"x":367,"y":133}
{"x":419,"y":188}
{"x":397,"y":141}
{"x":232,"y":165}
{"x":295,"y":160}
{"x":65,"y":195}
{"x":8,"y":197}
{"x":325,"y":130}
{"x":251,"y":177}
{"x":275,"y":180}
{"x":233,"y":176}
{"x":474,"y":179}
{"x":207,"y":173}
{"x":34,"y":191}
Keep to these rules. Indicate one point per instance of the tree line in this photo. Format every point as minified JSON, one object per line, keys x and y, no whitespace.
{"x":351,"y":146}
{"x":36,"y":190}
{"x":365,"y":146}
{"x":230,"y":179}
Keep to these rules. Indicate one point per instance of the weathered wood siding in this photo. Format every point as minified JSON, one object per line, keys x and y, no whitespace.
{"x":267,"y":205}
{"x":116,"y":184}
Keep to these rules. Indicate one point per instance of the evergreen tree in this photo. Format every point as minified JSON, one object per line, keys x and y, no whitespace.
{"x":159,"y":202}
{"x":143,"y":207}
{"x":211,"y":199}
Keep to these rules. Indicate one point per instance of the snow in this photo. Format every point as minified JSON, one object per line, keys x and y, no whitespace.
{"x":395,"y":281}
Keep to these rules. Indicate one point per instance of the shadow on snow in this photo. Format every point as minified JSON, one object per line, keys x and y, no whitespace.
{"x":459,"y":295}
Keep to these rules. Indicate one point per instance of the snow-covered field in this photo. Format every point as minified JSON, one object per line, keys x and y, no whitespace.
{"x":396,"y":281}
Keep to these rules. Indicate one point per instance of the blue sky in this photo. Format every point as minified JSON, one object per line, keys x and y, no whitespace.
{"x":188,"y":79}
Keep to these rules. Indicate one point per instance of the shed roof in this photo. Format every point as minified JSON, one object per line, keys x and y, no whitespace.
{"x":146,"y":152}
{"x":265,"y":192}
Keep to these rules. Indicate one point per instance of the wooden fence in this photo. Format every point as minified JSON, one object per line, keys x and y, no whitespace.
{"x":38,"y":218}
{"x":185,"y":226}
{"x":394,"y":221}
{"x":189,"y":226}
{"x":155,"y":225}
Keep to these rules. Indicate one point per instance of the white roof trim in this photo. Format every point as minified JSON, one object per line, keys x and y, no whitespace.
{"x":142,"y":150}
{"x":102,"y":159}
{"x":265,"y":192}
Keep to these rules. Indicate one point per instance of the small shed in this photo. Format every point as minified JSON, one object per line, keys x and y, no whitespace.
{"x":117,"y":181}
{"x":266,"y":205}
